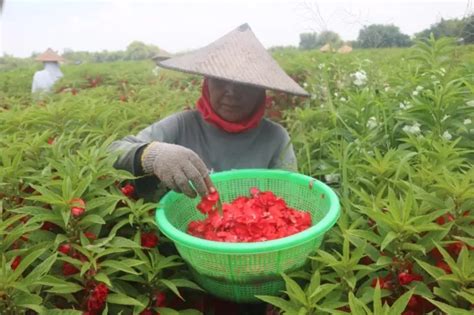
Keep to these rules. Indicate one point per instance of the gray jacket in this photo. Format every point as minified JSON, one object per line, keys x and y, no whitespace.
{"x":266,"y":146}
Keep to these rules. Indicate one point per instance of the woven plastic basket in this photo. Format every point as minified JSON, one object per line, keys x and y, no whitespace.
{"x":239,"y":271}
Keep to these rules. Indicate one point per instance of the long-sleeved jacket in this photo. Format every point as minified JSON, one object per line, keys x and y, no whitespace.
{"x":266,"y":146}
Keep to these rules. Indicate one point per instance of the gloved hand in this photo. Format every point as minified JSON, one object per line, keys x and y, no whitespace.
{"x":176,"y":166}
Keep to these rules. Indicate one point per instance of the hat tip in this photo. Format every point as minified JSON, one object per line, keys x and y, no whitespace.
{"x":244,"y":27}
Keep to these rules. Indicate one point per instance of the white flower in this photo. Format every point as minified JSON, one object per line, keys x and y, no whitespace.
{"x":405,"y":105}
{"x":335,"y":94}
{"x":447,"y":135}
{"x":332,"y":178}
{"x":343,"y":99}
{"x":321,"y":66}
{"x":415,"y":93}
{"x":444,"y":118}
{"x":470,"y":103}
{"x":387,"y":88}
{"x":360,"y":77}
{"x":467,"y":121}
{"x":414,"y":129}
{"x":419,"y":88}
{"x":433,"y":77}
{"x":372,"y":123}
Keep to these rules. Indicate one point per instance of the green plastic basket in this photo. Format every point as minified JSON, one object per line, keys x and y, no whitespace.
{"x":239,"y":271}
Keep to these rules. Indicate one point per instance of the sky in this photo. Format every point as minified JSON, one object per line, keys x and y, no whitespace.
{"x":28,"y":26}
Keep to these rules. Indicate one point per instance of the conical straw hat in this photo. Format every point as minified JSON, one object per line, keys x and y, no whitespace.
{"x":239,"y":57}
{"x":49,"y":55}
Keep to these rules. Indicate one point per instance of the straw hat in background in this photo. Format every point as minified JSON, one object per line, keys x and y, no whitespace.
{"x":49,"y":55}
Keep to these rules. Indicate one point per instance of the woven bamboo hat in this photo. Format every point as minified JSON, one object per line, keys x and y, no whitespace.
{"x":239,"y":57}
{"x":49,"y":55}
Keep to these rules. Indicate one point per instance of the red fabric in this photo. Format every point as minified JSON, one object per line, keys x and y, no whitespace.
{"x":208,"y":114}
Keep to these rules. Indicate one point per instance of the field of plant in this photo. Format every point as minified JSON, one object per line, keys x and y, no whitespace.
{"x":390,"y":130}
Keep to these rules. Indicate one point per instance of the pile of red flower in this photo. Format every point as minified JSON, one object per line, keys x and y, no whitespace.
{"x":260,"y":217}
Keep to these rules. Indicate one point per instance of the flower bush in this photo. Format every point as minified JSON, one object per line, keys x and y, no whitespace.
{"x":75,"y":239}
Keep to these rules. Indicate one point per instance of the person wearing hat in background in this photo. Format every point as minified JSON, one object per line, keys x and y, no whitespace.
{"x":227,"y":130}
{"x":43,"y":80}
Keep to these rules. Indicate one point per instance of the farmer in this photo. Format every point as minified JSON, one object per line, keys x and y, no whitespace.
{"x":43,"y":81}
{"x":225,"y":131}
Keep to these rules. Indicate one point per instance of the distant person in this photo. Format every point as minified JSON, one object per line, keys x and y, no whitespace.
{"x":43,"y":81}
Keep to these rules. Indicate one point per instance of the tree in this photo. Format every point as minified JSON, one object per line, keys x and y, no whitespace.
{"x":378,"y":35}
{"x":444,"y":28}
{"x":138,"y":51}
{"x":329,"y":37}
{"x":308,"y":41}
{"x":467,"y":32}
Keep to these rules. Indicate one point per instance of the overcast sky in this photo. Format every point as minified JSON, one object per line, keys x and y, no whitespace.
{"x":177,"y":25}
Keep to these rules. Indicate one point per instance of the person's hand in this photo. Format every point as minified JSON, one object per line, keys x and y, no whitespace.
{"x":177,"y":167}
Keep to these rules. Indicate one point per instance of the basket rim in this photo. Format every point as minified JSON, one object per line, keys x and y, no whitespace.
{"x":215,"y":247}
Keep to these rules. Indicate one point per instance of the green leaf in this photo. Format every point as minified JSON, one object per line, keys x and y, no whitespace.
{"x":357,"y":306}
{"x":294,"y":291}
{"x":123,"y":242}
{"x":91,"y":219}
{"x":448,"y":309}
{"x":280,"y":303}
{"x":118,"y":265}
{"x":121,"y":299}
{"x":61,"y":312}
{"x":401,"y":303}
{"x":172,"y":287}
{"x":41,"y":270}
{"x":185,"y":283}
{"x":435,"y":272}
{"x":102,"y":277}
{"x":59,"y":285}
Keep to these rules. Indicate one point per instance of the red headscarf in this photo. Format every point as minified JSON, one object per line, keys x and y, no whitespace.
{"x":208,"y":114}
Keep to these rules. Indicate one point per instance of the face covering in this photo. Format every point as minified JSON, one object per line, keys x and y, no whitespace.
{"x":208,"y":114}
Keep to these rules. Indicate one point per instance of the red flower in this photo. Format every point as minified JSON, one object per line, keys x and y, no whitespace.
{"x":15,"y":262}
{"x":384,"y":282}
{"x":149,"y":239}
{"x":78,"y":207}
{"x":90,"y":235}
{"x":48,"y":226}
{"x":64,"y":248}
{"x":405,"y":278}
{"x":455,"y":248}
{"x":69,"y":270}
{"x":97,"y":298}
{"x":443,"y":265}
{"x":160,"y":299}
{"x":147,"y":311}
{"x":128,"y":190}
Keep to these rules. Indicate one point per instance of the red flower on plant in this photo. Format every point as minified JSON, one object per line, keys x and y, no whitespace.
{"x":128,"y":190}
{"x":90,"y":235}
{"x":15,"y":262}
{"x":69,"y":269}
{"x":443,"y":265}
{"x":77,"y":207}
{"x":64,"y":248}
{"x":384,"y":282}
{"x":160,"y":299}
{"x":97,"y":298}
{"x":149,"y":239}
{"x":147,"y":311}
{"x":405,"y":278}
